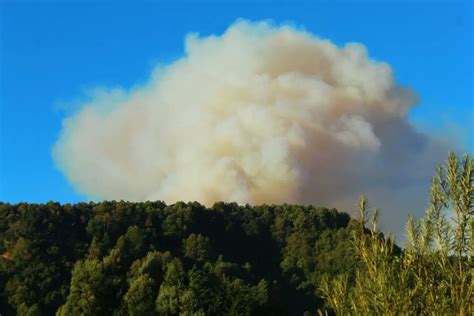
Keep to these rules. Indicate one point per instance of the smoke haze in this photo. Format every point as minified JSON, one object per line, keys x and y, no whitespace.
{"x":260,"y":114}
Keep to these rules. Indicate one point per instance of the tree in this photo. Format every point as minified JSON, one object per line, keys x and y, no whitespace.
{"x":140,"y":297}
{"x":197,"y":247}
{"x":172,"y":289}
{"x":88,"y":290}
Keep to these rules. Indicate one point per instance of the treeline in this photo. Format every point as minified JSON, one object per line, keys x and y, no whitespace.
{"x":120,"y":258}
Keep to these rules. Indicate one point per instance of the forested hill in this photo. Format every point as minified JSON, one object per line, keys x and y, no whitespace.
{"x":149,"y":258}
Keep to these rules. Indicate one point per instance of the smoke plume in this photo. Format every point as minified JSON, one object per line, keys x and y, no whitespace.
{"x":260,"y":114}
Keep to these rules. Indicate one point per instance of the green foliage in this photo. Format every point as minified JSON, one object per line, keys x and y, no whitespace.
{"x":119,"y":258}
{"x":88,"y":289}
{"x":140,"y":296}
{"x":197,"y":247}
{"x":434,"y":275}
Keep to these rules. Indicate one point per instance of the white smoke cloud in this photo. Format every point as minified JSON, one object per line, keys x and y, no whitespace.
{"x":260,"y":114}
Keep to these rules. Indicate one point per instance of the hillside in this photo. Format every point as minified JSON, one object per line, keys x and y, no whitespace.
{"x":120,"y":258}
{"x":144,"y":258}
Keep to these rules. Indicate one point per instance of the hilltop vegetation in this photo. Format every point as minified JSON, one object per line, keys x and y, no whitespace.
{"x":141,"y":258}
{"x":120,"y":258}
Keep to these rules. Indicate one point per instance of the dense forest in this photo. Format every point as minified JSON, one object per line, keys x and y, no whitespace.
{"x":139,"y":258}
{"x":122,"y":258}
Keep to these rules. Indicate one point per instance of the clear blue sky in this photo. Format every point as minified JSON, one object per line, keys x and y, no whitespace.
{"x":51,"y":51}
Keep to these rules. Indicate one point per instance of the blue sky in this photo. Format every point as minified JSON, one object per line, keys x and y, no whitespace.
{"x":52,"y":52}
